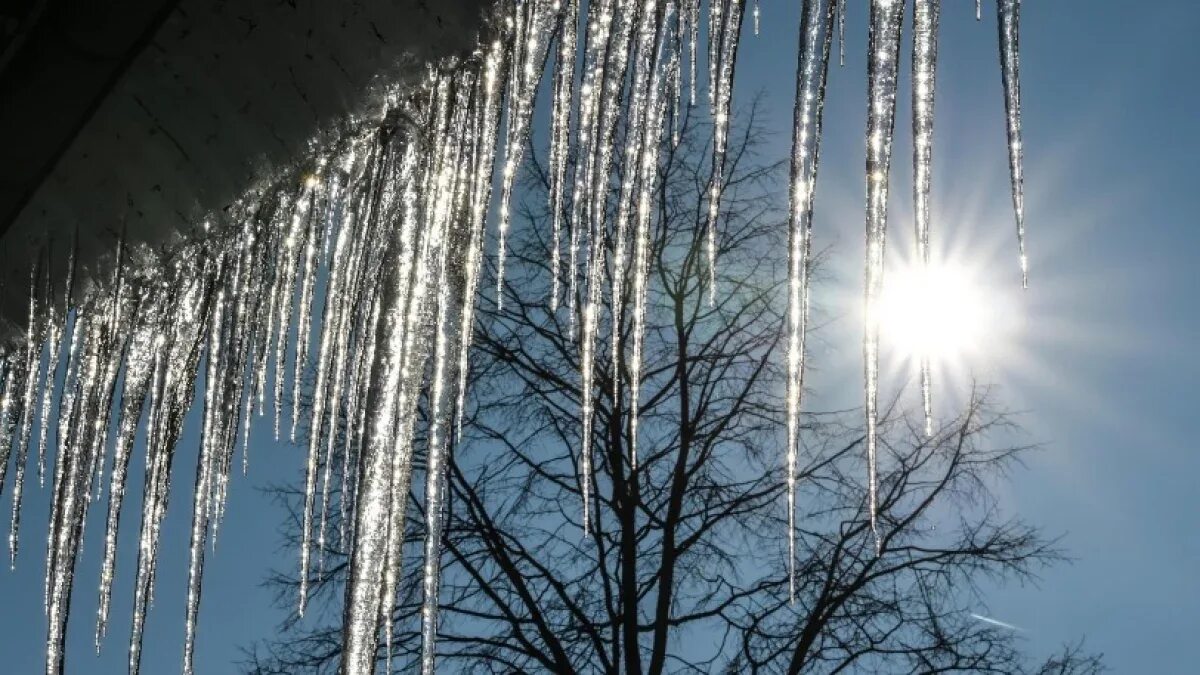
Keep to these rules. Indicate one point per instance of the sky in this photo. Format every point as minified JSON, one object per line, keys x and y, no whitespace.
{"x":1098,"y":354}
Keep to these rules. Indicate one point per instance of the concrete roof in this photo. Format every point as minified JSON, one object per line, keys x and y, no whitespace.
{"x":185,"y":106}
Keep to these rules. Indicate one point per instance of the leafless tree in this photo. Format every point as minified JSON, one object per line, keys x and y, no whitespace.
{"x":684,"y":568}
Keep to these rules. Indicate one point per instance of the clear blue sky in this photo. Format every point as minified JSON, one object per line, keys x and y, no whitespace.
{"x":1101,"y":354}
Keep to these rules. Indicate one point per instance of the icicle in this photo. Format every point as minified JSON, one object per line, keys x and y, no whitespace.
{"x":674,"y":81}
{"x":429,"y":281}
{"x":208,"y":467}
{"x":693,"y":41}
{"x":14,"y":411}
{"x":295,"y":243}
{"x":724,"y":30}
{"x":600,"y":17}
{"x":529,"y":52}
{"x":441,"y":396}
{"x":173,"y":388}
{"x":326,"y":392}
{"x":1009,"y":12}
{"x":139,"y":367}
{"x":380,"y":461}
{"x":756,"y":18}
{"x":10,"y":411}
{"x":308,"y":280}
{"x":812,"y":69}
{"x":978,"y":10}
{"x":33,"y":378}
{"x":560,"y":131}
{"x":637,"y":141}
{"x":841,"y":19}
{"x":111,"y":349}
{"x":66,"y":418}
{"x":883,"y":56}
{"x":716,"y":37}
{"x":924,"y":71}
{"x":487,"y":123}
{"x":610,"y":78}
{"x":647,"y":176}
{"x":63,"y":342}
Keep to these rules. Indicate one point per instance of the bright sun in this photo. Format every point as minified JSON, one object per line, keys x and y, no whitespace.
{"x":941,"y":312}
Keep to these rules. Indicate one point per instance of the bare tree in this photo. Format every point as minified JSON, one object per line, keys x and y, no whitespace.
{"x":684,"y":567}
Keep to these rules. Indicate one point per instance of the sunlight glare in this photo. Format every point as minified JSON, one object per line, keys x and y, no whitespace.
{"x":941,"y":312}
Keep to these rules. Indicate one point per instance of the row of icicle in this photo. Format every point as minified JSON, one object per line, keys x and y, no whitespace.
{"x":394,"y":221}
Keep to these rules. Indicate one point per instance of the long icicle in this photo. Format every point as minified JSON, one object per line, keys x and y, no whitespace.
{"x":529,"y":55}
{"x":724,"y":32}
{"x":56,"y":346}
{"x":442,"y":396}
{"x":638,"y":138}
{"x":560,"y":136}
{"x":841,"y":19}
{"x":610,"y":79}
{"x":924,"y":72}
{"x":1009,"y":12}
{"x":648,"y":179}
{"x":13,"y":411}
{"x":812,"y":69}
{"x":139,"y":366}
{"x":33,"y":376}
{"x":883,"y":56}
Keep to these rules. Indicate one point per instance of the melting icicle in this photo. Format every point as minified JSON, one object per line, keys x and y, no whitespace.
{"x":924,"y":71}
{"x":308,"y":280}
{"x":637,"y":143}
{"x":841,"y":19}
{"x":1009,"y":12}
{"x":295,"y":243}
{"x":693,"y":39}
{"x":487,"y":122}
{"x":609,"y":73}
{"x":13,"y":408}
{"x":56,"y":345}
{"x":33,"y":353}
{"x":647,"y":176}
{"x":812,"y":69}
{"x":560,"y":136}
{"x":600,"y":17}
{"x":138,"y":368}
{"x":449,"y":303}
{"x":978,"y":10}
{"x":529,"y":52}
{"x":724,"y":30}
{"x":883,"y":56}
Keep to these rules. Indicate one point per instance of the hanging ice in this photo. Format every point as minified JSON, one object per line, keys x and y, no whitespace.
{"x":560,"y":137}
{"x":841,"y":18}
{"x":1009,"y":12}
{"x":816,"y":35}
{"x":725,"y":27}
{"x":883,"y":54}
{"x":924,"y":71}
{"x":392,"y":218}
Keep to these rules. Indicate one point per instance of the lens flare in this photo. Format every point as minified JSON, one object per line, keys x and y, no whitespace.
{"x":941,"y":312}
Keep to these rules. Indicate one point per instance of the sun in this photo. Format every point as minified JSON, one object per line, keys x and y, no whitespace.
{"x":939,"y":312}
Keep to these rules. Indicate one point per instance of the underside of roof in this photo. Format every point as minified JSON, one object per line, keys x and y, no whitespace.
{"x":144,"y":117}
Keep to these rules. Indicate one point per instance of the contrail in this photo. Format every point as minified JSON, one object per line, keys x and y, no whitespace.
{"x":994,"y":622}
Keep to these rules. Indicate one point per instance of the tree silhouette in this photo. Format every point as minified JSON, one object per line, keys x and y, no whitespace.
{"x":684,"y":567}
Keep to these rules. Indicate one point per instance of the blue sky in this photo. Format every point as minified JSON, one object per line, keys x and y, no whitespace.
{"x":1099,"y":351}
